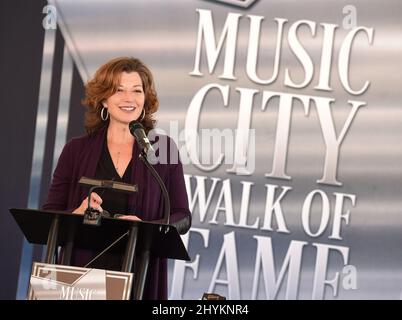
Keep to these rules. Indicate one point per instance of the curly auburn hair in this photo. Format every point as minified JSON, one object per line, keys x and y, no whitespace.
{"x":105,"y":83}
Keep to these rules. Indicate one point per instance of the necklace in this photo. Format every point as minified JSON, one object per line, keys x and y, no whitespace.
{"x":119,"y":151}
{"x":117,"y":161}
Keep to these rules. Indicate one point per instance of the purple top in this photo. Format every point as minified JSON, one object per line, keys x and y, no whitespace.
{"x":80,"y":157}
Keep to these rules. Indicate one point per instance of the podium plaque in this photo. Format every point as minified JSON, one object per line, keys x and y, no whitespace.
{"x":58,"y":282}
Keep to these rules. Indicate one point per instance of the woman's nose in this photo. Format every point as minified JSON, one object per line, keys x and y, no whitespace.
{"x":128,"y":96}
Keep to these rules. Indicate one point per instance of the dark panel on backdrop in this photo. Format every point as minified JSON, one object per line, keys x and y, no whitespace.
{"x":77,"y":110}
{"x":21,"y":41}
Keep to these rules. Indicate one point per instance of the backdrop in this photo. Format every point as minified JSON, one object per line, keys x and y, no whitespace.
{"x":294,"y":182}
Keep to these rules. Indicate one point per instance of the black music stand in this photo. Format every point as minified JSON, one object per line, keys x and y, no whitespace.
{"x":145,"y":239}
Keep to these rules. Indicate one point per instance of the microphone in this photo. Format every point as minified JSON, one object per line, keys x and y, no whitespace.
{"x":137,"y":130}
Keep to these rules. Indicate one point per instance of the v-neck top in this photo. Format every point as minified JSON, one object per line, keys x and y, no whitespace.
{"x":114,"y":202}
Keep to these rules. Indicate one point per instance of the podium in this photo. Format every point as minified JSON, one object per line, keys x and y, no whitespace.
{"x":145,"y":239}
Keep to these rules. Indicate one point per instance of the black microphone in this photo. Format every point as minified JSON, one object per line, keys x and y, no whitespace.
{"x":137,"y":130}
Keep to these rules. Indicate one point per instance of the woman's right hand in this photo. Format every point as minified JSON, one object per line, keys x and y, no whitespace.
{"x":96,"y":202}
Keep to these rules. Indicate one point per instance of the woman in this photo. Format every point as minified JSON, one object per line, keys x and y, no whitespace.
{"x":121,"y":91}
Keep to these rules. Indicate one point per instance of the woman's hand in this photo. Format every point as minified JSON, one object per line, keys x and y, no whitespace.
{"x":96,"y":202}
{"x":128,"y":217}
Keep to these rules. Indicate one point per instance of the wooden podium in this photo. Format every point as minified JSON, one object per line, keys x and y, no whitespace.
{"x":145,"y":239}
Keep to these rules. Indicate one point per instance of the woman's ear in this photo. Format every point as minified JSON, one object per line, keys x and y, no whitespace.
{"x":104,"y":104}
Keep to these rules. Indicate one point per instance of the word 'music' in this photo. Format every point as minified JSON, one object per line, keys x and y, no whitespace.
{"x":229,"y":37}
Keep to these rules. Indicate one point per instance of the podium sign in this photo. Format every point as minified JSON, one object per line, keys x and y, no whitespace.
{"x":59,"y":282}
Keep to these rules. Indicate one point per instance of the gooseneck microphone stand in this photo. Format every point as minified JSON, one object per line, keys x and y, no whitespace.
{"x":144,"y":159}
{"x":137,"y":130}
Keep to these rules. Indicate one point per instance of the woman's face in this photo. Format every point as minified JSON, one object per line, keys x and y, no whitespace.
{"x":127,"y":103}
